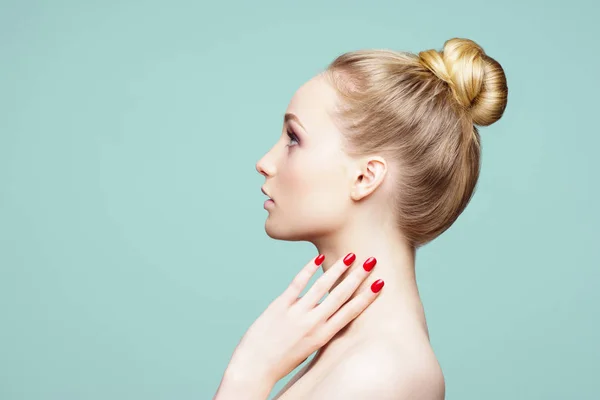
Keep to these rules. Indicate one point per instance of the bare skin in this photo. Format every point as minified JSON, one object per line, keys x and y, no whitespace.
{"x":390,"y":334}
{"x":341,"y":205}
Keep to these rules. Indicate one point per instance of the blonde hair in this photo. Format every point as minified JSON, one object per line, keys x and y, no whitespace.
{"x":420,"y":111}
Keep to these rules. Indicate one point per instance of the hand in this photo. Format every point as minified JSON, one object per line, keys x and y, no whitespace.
{"x":292,"y":327}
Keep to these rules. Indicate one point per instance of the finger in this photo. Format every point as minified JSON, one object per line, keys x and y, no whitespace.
{"x":325,"y":282}
{"x":301,"y":279}
{"x":352,"y":309}
{"x":344,"y":290}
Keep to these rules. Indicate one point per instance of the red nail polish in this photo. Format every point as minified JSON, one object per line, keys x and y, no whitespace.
{"x":377,"y":285}
{"x":349,"y":259}
{"x":370,"y":263}
{"x":319,"y":259}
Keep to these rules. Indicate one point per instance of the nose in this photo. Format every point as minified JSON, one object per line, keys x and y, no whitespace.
{"x":265,"y":167}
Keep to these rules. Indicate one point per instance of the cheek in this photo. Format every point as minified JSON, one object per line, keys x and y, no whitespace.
{"x":313,"y":197}
{"x":318,"y":192}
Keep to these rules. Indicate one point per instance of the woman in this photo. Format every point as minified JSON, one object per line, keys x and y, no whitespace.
{"x":378,"y":156}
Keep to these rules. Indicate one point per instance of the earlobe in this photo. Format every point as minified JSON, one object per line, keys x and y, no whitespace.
{"x":370,"y":175}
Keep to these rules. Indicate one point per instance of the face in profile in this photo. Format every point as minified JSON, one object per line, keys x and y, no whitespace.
{"x":307,"y":174}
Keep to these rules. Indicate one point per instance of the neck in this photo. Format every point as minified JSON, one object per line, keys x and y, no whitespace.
{"x":398,"y":304}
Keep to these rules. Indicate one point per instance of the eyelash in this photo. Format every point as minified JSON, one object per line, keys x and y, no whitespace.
{"x":292,"y":136}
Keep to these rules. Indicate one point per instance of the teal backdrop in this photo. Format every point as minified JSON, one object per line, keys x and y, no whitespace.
{"x":133,"y":255}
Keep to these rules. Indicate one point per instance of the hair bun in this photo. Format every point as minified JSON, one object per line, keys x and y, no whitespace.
{"x":477,"y":81}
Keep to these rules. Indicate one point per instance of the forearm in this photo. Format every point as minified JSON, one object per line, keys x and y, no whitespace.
{"x":237,"y":385}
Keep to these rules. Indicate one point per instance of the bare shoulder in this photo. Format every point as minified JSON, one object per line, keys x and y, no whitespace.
{"x":385,"y":371}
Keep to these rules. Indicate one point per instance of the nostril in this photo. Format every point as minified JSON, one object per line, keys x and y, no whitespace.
{"x":261,"y":170}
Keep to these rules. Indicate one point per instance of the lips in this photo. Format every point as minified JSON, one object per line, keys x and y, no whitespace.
{"x":267,"y":194}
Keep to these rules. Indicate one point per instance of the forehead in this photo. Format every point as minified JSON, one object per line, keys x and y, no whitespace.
{"x":314,"y":103}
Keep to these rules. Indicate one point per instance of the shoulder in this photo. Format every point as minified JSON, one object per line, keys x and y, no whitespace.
{"x":385,"y":371}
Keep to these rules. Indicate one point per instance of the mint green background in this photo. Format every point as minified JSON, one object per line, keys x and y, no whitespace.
{"x":133,"y":255}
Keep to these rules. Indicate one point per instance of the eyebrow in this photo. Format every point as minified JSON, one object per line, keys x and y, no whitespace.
{"x":289,"y":116}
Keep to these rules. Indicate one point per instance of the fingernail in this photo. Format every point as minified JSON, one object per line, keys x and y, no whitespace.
{"x":370,"y":263}
{"x":377,"y":285}
{"x":349,"y":259}
{"x":319,"y":259}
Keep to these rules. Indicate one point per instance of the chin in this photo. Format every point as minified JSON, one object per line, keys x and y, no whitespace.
{"x":298,"y":230}
{"x":281,"y":233}
{"x":284,"y":231}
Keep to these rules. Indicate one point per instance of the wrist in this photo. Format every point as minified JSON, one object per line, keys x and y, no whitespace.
{"x":241,"y":384}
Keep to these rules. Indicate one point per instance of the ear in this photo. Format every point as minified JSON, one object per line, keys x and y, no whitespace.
{"x":369,"y":176}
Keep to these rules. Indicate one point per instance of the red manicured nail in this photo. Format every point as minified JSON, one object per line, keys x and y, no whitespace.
{"x":319,"y":259}
{"x":377,"y":285}
{"x":349,"y":259}
{"x":370,"y":263}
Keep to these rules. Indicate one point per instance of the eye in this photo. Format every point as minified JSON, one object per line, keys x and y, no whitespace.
{"x":292,"y":137}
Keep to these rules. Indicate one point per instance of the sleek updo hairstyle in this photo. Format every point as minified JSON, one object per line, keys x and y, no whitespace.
{"x":420,"y":111}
